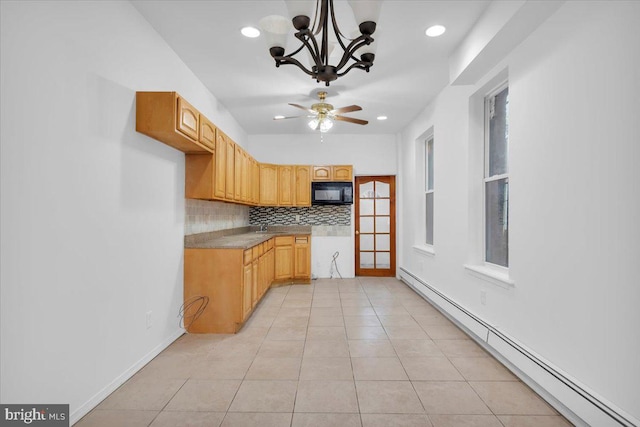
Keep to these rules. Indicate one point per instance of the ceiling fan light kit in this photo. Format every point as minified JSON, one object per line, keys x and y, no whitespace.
{"x":323,"y":114}
{"x":314,"y":36}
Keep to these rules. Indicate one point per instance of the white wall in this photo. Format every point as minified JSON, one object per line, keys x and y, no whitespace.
{"x":574,"y":201}
{"x":92,"y":218}
{"x":369,"y":155}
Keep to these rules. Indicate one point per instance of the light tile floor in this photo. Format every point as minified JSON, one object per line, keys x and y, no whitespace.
{"x":360,"y":352}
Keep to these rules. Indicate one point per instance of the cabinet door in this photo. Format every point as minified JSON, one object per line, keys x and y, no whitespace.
{"x":237,"y":192}
{"x":268,"y":184}
{"x":219,"y":190}
{"x":302,"y":254}
{"x":245,"y":181}
{"x":342,"y":173}
{"x":207,"y":135}
{"x":247,"y":289}
{"x":303,"y":186}
{"x":230,"y":171}
{"x":254,"y":283}
{"x":285,"y":185}
{"x":322,"y":173}
{"x":283,"y":262}
{"x":255,"y":182}
{"x":187,"y":119}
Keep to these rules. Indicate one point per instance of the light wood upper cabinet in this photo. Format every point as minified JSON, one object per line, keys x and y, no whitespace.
{"x":342,"y":173}
{"x":199,"y":176}
{"x":168,"y":118}
{"x":322,"y":173}
{"x":237,"y":192}
{"x":303,"y":186}
{"x":246,"y":177}
{"x":222,"y":170}
{"x":268,"y":184}
{"x":187,"y":119}
{"x":285,"y":185}
{"x":230,"y":170}
{"x":220,"y":179}
{"x":255,"y":182}
{"x":333,"y":173}
{"x":207,"y":134}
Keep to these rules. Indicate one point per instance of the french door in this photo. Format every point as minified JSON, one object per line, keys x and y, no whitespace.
{"x":375,"y":201}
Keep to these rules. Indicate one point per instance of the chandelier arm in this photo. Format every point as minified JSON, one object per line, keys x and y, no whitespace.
{"x":364,"y":44}
{"x":327,"y":8}
{"x":314,"y":51}
{"x":360,"y":65}
{"x":350,"y":50}
{"x":317,"y":19}
{"x":295,"y":52}
{"x":336,"y":30}
{"x":285,"y":60}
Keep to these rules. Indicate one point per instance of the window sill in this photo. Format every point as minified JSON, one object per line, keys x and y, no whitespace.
{"x":424,"y":249}
{"x":490,"y":275}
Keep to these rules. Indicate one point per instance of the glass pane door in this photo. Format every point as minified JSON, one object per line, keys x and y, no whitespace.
{"x":375,"y":226}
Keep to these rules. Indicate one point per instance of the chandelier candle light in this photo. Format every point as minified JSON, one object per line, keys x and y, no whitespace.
{"x":315,"y":37}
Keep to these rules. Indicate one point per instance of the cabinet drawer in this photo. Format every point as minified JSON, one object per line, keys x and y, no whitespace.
{"x":302,"y":239}
{"x":269,"y":245}
{"x":256,"y":251}
{"x":284,"y":241}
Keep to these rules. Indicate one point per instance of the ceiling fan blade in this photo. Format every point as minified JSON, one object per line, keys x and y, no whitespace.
{"x":303,"y":108}
{"x":351,"y":120}
{"x":347,"y":109}
{"x":290,"y":117}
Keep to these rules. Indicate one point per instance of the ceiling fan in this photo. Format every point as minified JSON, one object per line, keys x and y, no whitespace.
{"x":322,"y":114}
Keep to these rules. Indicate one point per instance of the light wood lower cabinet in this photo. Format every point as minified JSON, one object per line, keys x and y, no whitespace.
{"x":302,"y":257}
{"x":284,"y":257}
{"x":293,"y":259}
{"x":234,"y":280}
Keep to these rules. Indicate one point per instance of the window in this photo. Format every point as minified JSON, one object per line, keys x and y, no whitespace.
{"x":429,"y":189}
{"x":496,"y":177}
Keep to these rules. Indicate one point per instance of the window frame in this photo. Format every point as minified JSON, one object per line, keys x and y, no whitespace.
{"x":427,"y":190}
{"x":493,"y":178}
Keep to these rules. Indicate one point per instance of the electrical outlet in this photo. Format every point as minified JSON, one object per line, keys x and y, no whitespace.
{"x":483,"y":297}
{"x":149,"y":320}
{"x":297,"y":217}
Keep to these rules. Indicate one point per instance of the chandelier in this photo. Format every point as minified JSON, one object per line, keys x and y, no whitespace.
{"x":357,"y":51}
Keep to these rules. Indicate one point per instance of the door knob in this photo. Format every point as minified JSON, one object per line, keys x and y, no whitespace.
{"x":357,"y":232}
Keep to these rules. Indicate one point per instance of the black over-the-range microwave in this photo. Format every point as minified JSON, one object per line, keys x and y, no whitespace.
{"x":331,"y":193}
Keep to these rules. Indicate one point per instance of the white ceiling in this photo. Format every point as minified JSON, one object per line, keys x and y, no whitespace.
{"x":409,"y":69}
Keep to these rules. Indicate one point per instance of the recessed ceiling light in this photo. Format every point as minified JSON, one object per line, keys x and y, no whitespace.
{"x":250,"y":32}
{"x":382,"y":117}
{"x":278,"y":117}
{"x":435,"y":31}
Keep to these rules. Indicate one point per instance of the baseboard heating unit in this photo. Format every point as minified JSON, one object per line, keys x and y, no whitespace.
{"x":574,"y":401}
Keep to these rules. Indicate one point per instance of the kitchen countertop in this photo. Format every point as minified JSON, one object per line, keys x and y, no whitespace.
{"x":241,"y":238}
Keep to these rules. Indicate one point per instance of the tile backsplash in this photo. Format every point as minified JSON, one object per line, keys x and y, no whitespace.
{"x":312,"y":215}
{"x":203,"y":216}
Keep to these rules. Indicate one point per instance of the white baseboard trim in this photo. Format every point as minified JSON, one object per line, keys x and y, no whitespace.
{"x":121,"y":379}
{"x":577,"y":403}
